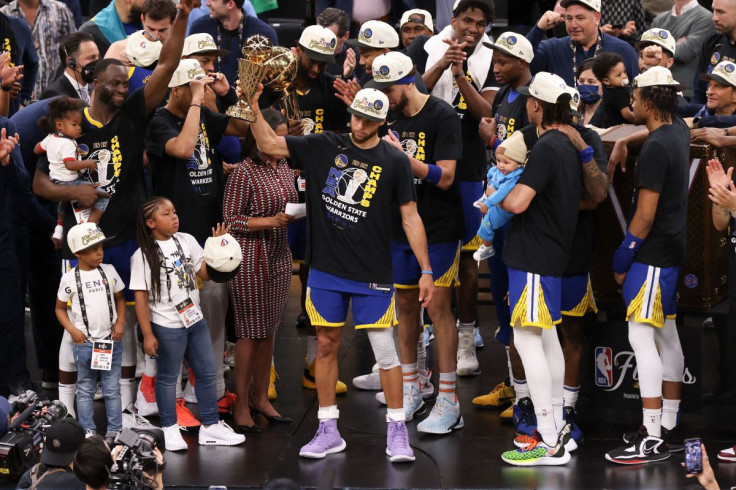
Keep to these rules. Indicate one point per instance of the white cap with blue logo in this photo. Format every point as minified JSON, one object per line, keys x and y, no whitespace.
{"x":371,"y":104}
{"x":318,"y":43}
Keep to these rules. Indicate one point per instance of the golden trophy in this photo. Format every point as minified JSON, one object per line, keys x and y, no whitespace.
{"x":275,"y":66}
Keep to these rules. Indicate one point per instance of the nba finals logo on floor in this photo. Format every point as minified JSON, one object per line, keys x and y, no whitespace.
{"x":603,"y":367}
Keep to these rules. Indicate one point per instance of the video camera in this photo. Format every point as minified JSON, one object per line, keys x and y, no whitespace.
{"x":136,"y":457}
{"x":21,"y":447}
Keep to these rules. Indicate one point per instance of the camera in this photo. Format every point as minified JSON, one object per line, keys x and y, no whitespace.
{"x":21,"y":447}
{"x":135,"y":457}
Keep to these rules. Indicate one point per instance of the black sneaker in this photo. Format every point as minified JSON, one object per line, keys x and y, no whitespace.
{"x":672,"y":437}
{"x":642,"y":449}
{"x":525,"y":420}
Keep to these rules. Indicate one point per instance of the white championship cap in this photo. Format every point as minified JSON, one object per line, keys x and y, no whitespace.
{"x":223,"y":257}
{"x":187,"y":71}
{"x":318,"y":43}
{"x":84,"y":235}
{"x":660,"y":37}
{"x":375,"y":34}
{"x":657,"y":76}
{"x":202,"y":43}
{"x":417,"y":16}
{"x":591,"y":4}
{"x":724,"y":72}
{"x":142,"y":51}
{"x":371,"y":104}
{"x":514,"y":45}
{"x":388,"y":69}
{"x":545,"y":86}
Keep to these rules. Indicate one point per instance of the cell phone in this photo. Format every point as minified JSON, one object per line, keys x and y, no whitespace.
{"x":617,"y":26}
{"x":693,"y":456}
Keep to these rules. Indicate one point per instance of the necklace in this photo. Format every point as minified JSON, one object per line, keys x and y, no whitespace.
{"x":220,"y":28}
{"x":598,"y":47}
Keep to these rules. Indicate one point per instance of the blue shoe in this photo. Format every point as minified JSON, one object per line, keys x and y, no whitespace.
{"x":569,"y":415}
{"x":524,"y":418}
{"x":443,"y":419}
{"x":478,"y":339}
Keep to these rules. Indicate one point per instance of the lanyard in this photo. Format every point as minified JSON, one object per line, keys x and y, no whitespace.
{"x":219,"y":40}
{"x":80,"y":292}
{"x":186,"y":265}
{"x":598,"y":47}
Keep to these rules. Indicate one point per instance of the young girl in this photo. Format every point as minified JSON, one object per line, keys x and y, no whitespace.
{"x":162,"y":275}
{"x":64,"y":125}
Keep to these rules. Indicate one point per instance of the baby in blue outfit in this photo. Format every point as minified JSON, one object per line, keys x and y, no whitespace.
{"x":510,"y":159}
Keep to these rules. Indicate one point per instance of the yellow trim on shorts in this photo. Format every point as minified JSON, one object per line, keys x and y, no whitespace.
{"x":450,"y":279}
{"x":314,"y":317}
{"x":671,"y":317}
{"x":518,"y":316}
{"x":406,"y":286}
{"x":586,"y":305}
{"x":634,"y":308}
{"x":473,"y":244}
{"x":387,"y":320}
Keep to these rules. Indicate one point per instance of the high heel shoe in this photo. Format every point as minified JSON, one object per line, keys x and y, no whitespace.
{"x":271,"y":418}
{"x":250,"y":429}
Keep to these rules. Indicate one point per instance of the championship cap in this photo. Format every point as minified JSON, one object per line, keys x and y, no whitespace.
{"x":514,"y":147}
{"x":202,"y":43}
{"x":187,"y":71}
{"x":545,"y":86}
{"x":514,"y":45}
{"x":223,"y":257}
{"x":659,"y":76}
{"x":660,"y":37}
{"x":574,"y":100}
{"x":142,"y":51}
{"x":371,"y":104}
{"x":417,"y":16}
{"x":591,"y":4}
{"x":724,"y":72}
{"x":390,"y":68}
{"x":62,"y":441}
{"x":84,"y":235}
{"x":375,"y":34}
{"x":318,"y":43}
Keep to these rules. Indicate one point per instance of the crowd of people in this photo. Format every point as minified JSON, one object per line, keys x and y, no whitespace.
{"x":416,"y":154}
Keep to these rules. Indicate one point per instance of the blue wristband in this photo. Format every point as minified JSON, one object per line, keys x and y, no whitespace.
{"x":586,"y":155}
{"x":625,"y":253}
{"x":428,"y":272}
{"x":434,"y":174}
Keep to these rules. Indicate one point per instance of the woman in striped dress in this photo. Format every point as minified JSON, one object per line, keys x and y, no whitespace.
{"x":256,"y":194}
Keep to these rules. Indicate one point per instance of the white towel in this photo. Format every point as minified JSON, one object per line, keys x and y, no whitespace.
{"x":479,"y":64}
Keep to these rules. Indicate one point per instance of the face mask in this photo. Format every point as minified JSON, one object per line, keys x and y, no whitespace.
{"x":589,"y":93}
{"x":88,"y":72}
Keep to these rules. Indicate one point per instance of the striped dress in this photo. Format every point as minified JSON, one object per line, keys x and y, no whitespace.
{"x":259,"y":292}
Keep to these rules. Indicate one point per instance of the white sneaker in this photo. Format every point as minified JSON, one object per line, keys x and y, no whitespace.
{"x":443,"y":419}
{"x":425,"y":385}
{"x":131,"y":419}
{"x":370,"y":381}
{"x":173,"y":439}
{"x":467,"y":363}
{"x":189,"y":394}
{"x":219,"y":434}
{"x":381,"y":397}
{"x":413,"y":402}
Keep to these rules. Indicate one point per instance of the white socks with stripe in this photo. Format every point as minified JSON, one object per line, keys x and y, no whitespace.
{"x":670,"y":408}
{"x":521,"y":389}
{"x":447,"y":387}
{"x":411,"y":376}
{"x":570,"y":395}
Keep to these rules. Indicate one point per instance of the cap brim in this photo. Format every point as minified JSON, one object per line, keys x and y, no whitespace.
{"x":565,"y":3}
{"x":356,"y":42}
{"x":367,"y":116}
{"x":709,"y":76}
{"x":216,"y":52}
{"x":373,"y":83}
{"x":220,"y":277}
{"x":57,"y":459}
{"x":315,"y":56}
{"x":107,"y":239}
{"x":504,"y":51}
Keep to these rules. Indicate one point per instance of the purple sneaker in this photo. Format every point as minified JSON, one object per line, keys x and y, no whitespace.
{"x":397,"y":443}
{"x":326,"y":441}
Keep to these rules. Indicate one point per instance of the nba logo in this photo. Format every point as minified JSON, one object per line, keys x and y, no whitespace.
{"x":603,"y":367}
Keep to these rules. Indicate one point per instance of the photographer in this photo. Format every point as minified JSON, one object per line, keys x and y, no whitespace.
{"x":93,"y":464}
{"x":55,"y":469}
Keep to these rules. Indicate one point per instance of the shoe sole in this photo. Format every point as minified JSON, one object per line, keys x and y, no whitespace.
{"x":459,"y":424}
{"x":333,"y":450}
{"x":541,"y":461}
{"x":499,"y":403}
{"x":727,"y":459}
{"x":177,"y":449}
{"x":219,"y":443}
{"x":637,"y":461}
{"x":402,"y":458}
{"x":366,"y":387}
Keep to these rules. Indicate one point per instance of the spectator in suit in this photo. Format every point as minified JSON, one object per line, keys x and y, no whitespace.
{"x":78,"y":52}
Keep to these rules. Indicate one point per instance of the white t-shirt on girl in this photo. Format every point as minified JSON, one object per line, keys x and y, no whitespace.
{"x":60,"y":149}
{"x":95,"y":300}
{"x":181,"y":276}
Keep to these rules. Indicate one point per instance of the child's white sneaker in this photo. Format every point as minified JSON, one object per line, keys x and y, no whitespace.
{"x":484,"y":253}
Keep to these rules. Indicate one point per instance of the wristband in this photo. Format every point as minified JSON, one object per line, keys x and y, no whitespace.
{"x":6,"y":89}
{"x":428,"y":272}
{"x":625,"y":253}
{"x":195,"y":105}
{"x":455,"y":77}
{"x":586,"y":154}
{"x":434,"y":174}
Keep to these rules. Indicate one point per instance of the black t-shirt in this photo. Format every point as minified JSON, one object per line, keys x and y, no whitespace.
{"x":431,"y":135}
{"x":320,"y":109}
{"x":349,"y":199}
{"x":663,"y":167}
{"x":609,"y":112}
{"x":715,"y":49}
{"x":539,"y":240}
{"x":509,"y":110}
{"x":61,"y":480}
{"x":582,"y":245}
{"x":474,"y":164}
{"x":195,"y":185}
{"x":416,"y":52}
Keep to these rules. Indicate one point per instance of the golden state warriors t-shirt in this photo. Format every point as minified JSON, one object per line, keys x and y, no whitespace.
{"x":349,"y":200}
{"x":320,"y":109}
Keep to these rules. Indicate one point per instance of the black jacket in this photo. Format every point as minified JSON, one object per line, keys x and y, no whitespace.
{"x":62,"y":86}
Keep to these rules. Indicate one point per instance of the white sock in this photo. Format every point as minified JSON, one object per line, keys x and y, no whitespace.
{"x":521,"y":388}
{"x":464,"y":327}
{"x":395,"y":415}
{"x":557,"y":410}
{"x":670,"y":408}
{"x":653,"y":421}
{"x":410,"y":375}
{"x":128,"y":388}
{"x":447,"y":386}
{"x":422,"y":356}
{"x":151,"y":367}
{"x":66,"y":396}
{"x":330,"y":412}
{"x":311,"y":350}
{"x":570,"y":395}
{"x":546,"y":424}
{"x":508,"y":363}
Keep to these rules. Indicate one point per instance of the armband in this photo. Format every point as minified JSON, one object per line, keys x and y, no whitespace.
{"x":434,"y":174}
{"x":625,"y":253}
{"x":586,"y":155}
{"x":428,"y":272}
